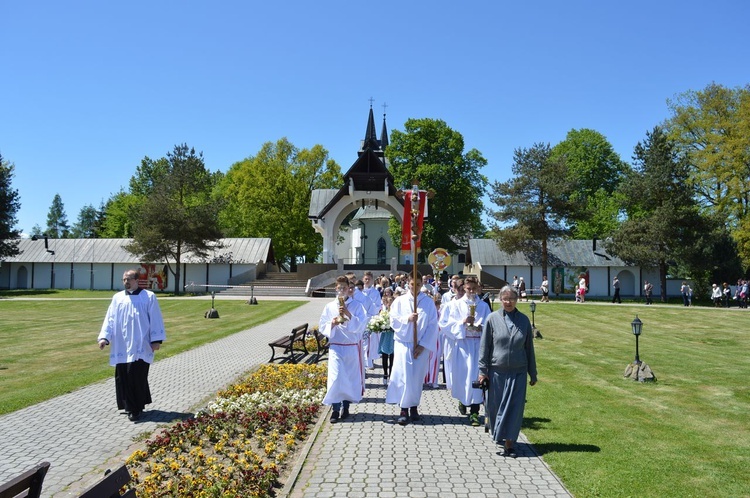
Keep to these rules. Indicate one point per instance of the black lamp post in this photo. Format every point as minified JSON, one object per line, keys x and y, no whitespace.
{"x":637,"y":326}
{"x":212,"y":313}
{"x":532,"y":307}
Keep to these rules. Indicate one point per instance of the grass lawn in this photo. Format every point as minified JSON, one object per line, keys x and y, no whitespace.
{"x":686,"y":435}
{"x":48,"y":346}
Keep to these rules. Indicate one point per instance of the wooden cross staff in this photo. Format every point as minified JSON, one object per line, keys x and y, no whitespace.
{"x":415,"y":236}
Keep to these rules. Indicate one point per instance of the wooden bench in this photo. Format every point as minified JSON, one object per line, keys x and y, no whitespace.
{"x":322,"y":348}
{"x":287,"y":343}
{"x":110,"y":485}
{"x":26,"y":485}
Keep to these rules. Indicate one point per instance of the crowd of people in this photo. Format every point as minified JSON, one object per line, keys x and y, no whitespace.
{"x":723,"y":297}
{"x":486,"y":356}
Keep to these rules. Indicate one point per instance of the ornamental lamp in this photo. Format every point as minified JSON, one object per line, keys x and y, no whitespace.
{"x":638,"y":370}
{"x":532,"y":307}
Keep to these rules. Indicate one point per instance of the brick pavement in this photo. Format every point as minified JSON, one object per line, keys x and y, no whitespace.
{"x":369,"y":455}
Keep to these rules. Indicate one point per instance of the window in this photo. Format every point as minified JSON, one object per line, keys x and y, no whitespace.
{"x":381,"y":251}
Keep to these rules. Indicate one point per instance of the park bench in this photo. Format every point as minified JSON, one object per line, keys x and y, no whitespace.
{"x":111,"y":485}
{"x":26,"y":485}
{"x":322,"y":343}
{"x":287,"y":342}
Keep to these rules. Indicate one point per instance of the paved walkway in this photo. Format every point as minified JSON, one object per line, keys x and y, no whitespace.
{"x":82,"y":433}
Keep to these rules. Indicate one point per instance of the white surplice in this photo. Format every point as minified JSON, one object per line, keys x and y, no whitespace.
{"x":372,"y":344}
{"x":346,"y":371}
{"x":407,"y":376}
{"x":465,"y":354}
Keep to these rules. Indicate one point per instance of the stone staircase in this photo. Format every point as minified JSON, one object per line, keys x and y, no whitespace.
{"x":271,"y":284}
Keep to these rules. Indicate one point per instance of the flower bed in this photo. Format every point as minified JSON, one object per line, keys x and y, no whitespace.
{"x":238,"y":444}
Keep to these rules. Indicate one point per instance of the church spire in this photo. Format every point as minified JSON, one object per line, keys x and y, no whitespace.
{"x":371,"y":139}
{"x":384,"y":132}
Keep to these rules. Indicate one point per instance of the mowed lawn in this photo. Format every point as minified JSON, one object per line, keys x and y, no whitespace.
{"x":48,"y":346}
{"x":686,"y":435}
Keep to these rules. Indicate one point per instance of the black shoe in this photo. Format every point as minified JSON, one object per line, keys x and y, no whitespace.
{"x":510,"y":452}
{"x":334,"y":417}
{"x":133,"y":416}
{"x":461,"y":408}
{"x":403,"y":418}
{"x":414,"y":414}
{"x":345,"y":414}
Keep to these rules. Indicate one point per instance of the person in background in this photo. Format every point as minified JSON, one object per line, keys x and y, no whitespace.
{"x":684,"y":290}
{"x":385,"y":345}
{"x":506,"y":358}
{"x":134,"y":328}
{"x":582,"y":288}
{"x":373,"y":340}
{"x":726,"y":294}
{"x":447,"y":340}
{"x":716,"y":295}
{"x":616,"y":286}
{"x":648,"y":289}
{"x":433,"y":369}
{"x":545,"y":289}
{"x":522,"y":289}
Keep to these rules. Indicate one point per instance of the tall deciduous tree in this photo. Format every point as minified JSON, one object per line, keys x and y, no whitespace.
{"x":116,"y":216}
{"x":429,"y":151}
{"x":596,"y":170}
{"x":531,"y":206}
{"x":10,"y":203}
{"x":268,"y":195}
{"x":57,"y":220}
{"x":178,"y":215}
{"x":662,"y":215}
{"x":711,"y":129}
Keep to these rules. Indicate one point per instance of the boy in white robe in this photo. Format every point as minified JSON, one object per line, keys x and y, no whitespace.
{"x":410,"y":361}
{"x":447,"y":339}
{"x":343,"y":326}
{"x":465,"y":321}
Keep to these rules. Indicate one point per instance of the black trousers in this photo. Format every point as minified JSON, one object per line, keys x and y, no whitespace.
{"x":131,"y":386}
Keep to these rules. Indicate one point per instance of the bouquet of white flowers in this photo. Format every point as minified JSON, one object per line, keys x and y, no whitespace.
{"x":380,"y":322}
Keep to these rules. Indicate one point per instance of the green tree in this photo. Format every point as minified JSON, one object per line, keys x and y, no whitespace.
{"x":711,"y":130}
{"x":116,"y":216}
{"x":663,"y":218}
{"x":85,"y":227}
{"x":596,"y":170}
{"x":178,"y":215}
{"x":429,"y":151}
{"x":57,"y":220}
{"x":533,"y":203}
{"x":268,"y":195}
{"x":10,"y":203}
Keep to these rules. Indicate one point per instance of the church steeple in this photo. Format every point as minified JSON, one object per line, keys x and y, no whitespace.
{"x":384,"y":132}
{"x":371,"y":139}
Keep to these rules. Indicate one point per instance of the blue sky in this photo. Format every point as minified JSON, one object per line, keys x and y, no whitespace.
{"x":88,"y":88}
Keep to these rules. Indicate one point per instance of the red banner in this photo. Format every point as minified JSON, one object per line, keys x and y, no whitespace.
{"x":406,"y":231}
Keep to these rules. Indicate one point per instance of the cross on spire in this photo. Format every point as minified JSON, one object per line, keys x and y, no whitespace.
{"x":371,"y":101}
